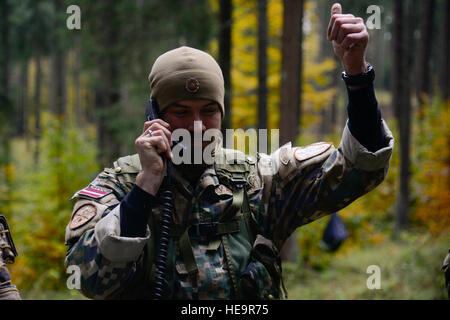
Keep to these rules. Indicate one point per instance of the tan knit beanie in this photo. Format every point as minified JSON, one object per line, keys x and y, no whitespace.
{"x":186,"y":73}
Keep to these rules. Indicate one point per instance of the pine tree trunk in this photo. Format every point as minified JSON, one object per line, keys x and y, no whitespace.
{"x":403,"y":57}
{"x":4,"y":21}
{"x":37,"y":50}
{"x":108,"y":91}
{"x":262,"y":64}
{"x":225,"y":23}
{"x":444,"y":70}
{"x":77,"y":84}
{"x":37,"y":108}
{"x":58,"y":84}
{"x":290,"y":100}
{"x":6,"y":110}
{"x":58,"y":67}
{"x":22,"y":105}
{"x":329,"y":112}
{"x":291,"y":71}
{"x":426,"y":34}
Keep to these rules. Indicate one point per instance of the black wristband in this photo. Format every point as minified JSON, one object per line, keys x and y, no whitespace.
{"x":359,"y":80}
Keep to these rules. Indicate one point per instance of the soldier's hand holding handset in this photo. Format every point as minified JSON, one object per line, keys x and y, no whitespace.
{"x":154,"y":141}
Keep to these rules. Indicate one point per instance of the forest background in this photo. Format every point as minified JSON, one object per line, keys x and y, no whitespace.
{"x":72,"y":101}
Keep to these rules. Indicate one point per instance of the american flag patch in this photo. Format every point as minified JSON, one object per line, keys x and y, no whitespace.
{"x":94,"y":192}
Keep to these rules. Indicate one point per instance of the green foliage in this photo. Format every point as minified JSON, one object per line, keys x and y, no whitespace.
{"x":410,"y":269}
{"x":41,"y":206}
{"x":432,"y":169}
{"x":311,"y":253}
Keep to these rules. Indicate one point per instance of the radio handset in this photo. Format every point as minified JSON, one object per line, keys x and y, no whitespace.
{"x":159,"y":284}
{"x":152,"y":110}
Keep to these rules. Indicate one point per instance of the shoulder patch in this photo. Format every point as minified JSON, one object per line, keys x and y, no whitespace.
{"x":223,"y":190}
{"x":94,"y":192}
{"x":82,"y":216}
{"x":308,"y":152}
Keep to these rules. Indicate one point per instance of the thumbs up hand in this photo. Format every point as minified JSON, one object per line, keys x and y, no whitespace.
{"x":350,"y":38}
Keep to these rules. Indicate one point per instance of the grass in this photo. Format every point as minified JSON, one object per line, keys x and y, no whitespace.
{"x":410,"y":269}
{"x":52,"y":295}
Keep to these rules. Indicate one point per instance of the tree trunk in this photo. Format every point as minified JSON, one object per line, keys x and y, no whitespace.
{"x":397,"y":97}
{"x":397,"y":57}
{"x":38,"y":51}
{"x":426,"y":34}
{"x":444,"y":70}
{"x":290,"y":100}
{"x":37,"y":108}
{"x":4,"y":25}
{"x":22,"y":105}
{"x":225,"y":23}
{"x":291,"y":71}
{"x":77,"y":84}
{"x":58,"y":65}
{"x":334,"y":107}
{"x":108,"y":92}
{"x":262,"y":64}
{"x":403,"y":57}
{"x":329,"y":112}
{"x":58,"y":84}
{"x":6,"y":111}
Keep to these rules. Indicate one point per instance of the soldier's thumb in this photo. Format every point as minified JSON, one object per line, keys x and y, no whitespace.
{"x":336,"y":9}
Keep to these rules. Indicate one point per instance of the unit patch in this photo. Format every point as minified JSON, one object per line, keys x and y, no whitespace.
{"x":221,"y":190}
{"x":192,"y":85}
{"x":82,"y":216}
{"x":94,"y":192}
{"x":308,"y":152}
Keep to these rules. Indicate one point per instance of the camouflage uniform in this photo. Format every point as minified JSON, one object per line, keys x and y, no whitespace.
{"x":446,"y":269}
{"x":287,"y":189}
{"x":8,"y":291}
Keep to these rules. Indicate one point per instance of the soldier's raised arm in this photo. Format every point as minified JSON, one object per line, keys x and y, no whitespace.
{"x":303,"y":184}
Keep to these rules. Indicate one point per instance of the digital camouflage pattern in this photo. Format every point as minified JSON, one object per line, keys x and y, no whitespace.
{"x":8,"y":291}
{"x":446,"y":269}
{"x":287,"y":189}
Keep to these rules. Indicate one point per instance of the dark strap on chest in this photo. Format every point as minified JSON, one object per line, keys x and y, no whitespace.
{"x":233,"y":176}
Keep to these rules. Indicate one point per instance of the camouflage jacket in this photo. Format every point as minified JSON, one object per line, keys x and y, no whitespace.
{"x":289,"y":188}
{"x":8,"y":291}
{"x":446,"y":269}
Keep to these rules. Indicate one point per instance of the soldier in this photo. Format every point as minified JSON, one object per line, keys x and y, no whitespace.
{"x":8,"y":252}
{"x":229,"y":219}
{"x":446,"y":269}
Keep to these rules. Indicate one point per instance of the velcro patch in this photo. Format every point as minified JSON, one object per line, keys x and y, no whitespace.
{"x":308,"y":152}
{"x":82,"y":216}
{"x":94,"y":192}
{"x":221,"y":190}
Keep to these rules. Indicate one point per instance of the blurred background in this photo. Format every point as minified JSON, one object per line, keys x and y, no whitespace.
{"x":72,"y":101}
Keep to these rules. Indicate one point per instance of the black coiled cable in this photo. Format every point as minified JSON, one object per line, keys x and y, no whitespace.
{"x":159,"y":285}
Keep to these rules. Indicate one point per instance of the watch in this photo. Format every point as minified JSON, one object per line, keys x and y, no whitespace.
{"x":360,"y":80}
